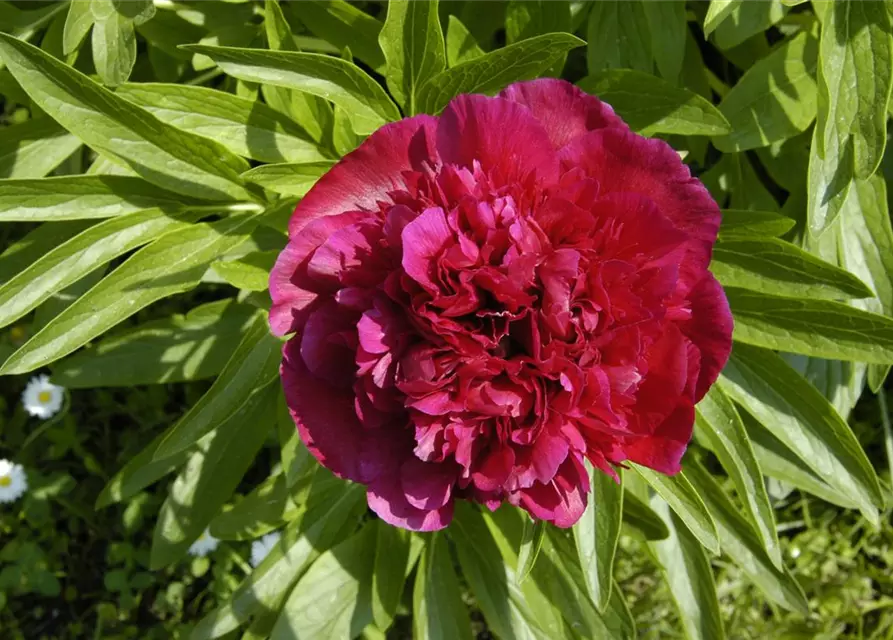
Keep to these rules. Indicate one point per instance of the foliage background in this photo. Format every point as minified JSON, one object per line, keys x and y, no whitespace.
{"x":144,"y":188}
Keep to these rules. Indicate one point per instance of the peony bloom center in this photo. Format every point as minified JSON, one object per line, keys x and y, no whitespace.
{"x":484,"y":300}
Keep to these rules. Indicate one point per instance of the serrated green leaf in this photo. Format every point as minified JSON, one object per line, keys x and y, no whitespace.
{"x":650,"y":105}
{"x":531,"y":545}
{"x":857,"y":76}
{"x":253,"y":364}
{"x":335,"y":508}
{"x":773,"y":266}
{"x":747,"y":19}
{"x":596,"y":535}
{"x":172,"y":159}
{"x":686,"y":502}
{"x":412,"y":42}
{"x":342,"y":25}
{"x":210,"y":476}
{"x":172,"y":264}
{"x":639,"y":515}
{"x":341,"y":579}
{"x":780,"y":463}
{"x":288,"y":179}
{"x":34,"y":148}
{"x":687,"y":571}
{"x":331,"y":78}
{"x":491,"y":72}
{"x":389,"y":572}
{"x":175,"y":349}
{"x":740,"y":543}
{"x":74,"y":259}
{"x":720,"y":425}
{"x":619,"y":36}
{"x":460,"y":44}
{"x":668,"y":28}
{"x":81,"y":197}
{"x":747,"y":224}
{"x":247,"y":128}
{"x":114,"y":41}
{"x":800,"y":417}
{"x":821,"y":328}
{"x":438,"y":610}
{"x":77,"y":24}
{"x":491,"y":579}
{"x":775,"y":99}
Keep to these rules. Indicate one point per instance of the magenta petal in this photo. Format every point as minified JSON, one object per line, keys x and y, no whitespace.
{"x":561,"y":501}
{"x":500,"y":134}
{"x":663,"y":451}
{"x":324,"y":416}
{"x":427,"y":485}
{"x":423,"y":240}
{"x":366,"y":175}
{"x":387,"y":499}
{"x":710,"y":329}
{"x":328,"y":344}
{"x":565,"y":111}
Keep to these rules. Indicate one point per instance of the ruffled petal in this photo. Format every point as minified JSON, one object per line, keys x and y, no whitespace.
{"x":710,"y":329}
{"x":387,"y":498}
{"x":563,"y":500}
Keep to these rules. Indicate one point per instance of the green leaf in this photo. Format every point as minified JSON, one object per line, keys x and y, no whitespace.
{"x":596,"y":535}
{"x":253,"y":364}
{"x":668,"y":28}
{"x":332,"y":516}
{"x":531,"y":545}
{"x":639,"y":515}
{"x":389,"y":572}
{"x":245,"y":127}
{"x":857,"y":75}
{"x":800,"y":417}
{"x":175,"y":349}
{"x":780,"y":463}
{"x":528,"y":18}
{"x":828,"y":182}
{"x":412,"y":42}
{"x":747,"y":19}
{"x":19,"y":255}
{"x":172,"y":264}
{"x":490,"y":577}
{"x":460,"y":44}
{"x":114,"y":41}
{"x":775,"y":99}
{"x":720,"y":425}
{"x":686,"y":502}
{"x":438,"y":610}
{"x":334,"y":79}
{"x":491,"y":72}
{"x":650,"y":105}
{"x":619,"y":36}
{"x":820,"y":328}
{"x":210,"y":476}
{"x":340,"y":578}
{"x":687,"y":571}
{"x":267,"y":508}
{"x":34,"y":148}
{"x":77,"y":24}
{"x":287,"y":179}
{"x":740,"y":543}
{"x":296,"y":460}
{"x":770,"y":265}
{"x":718,"y":11}
{"x":250,"y":272}
{"x":737,"y":223}
{"x":172,"y":159}
{"x":81,"y":197}
{"x":74,"y":259}
{"x":342,"y":25}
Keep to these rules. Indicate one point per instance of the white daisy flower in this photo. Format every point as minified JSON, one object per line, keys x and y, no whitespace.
{"x":13,"y":481}
{"x":260,"y":549}
{"x":205,"y":544}
{"x":42,"y":398}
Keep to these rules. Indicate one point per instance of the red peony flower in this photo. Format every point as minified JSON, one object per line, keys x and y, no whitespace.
{"x":481,"y":300}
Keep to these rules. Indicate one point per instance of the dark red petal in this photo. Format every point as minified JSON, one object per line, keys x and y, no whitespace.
{"x":328,"y":344}
{"x":663,"y":451}
{"x":563,"y":500}
{"x":324,"y":416}
{"x":710,"y":329}
{"x":427,"y":485}
{"x":565,"y":111}
{"x":366,"y":175}
{"x":503,"y":136}
{"x":386,"y":498}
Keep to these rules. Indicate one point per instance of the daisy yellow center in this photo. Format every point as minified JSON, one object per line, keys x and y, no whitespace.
{"x":44,"y":396}
{"x":5,"y":481}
